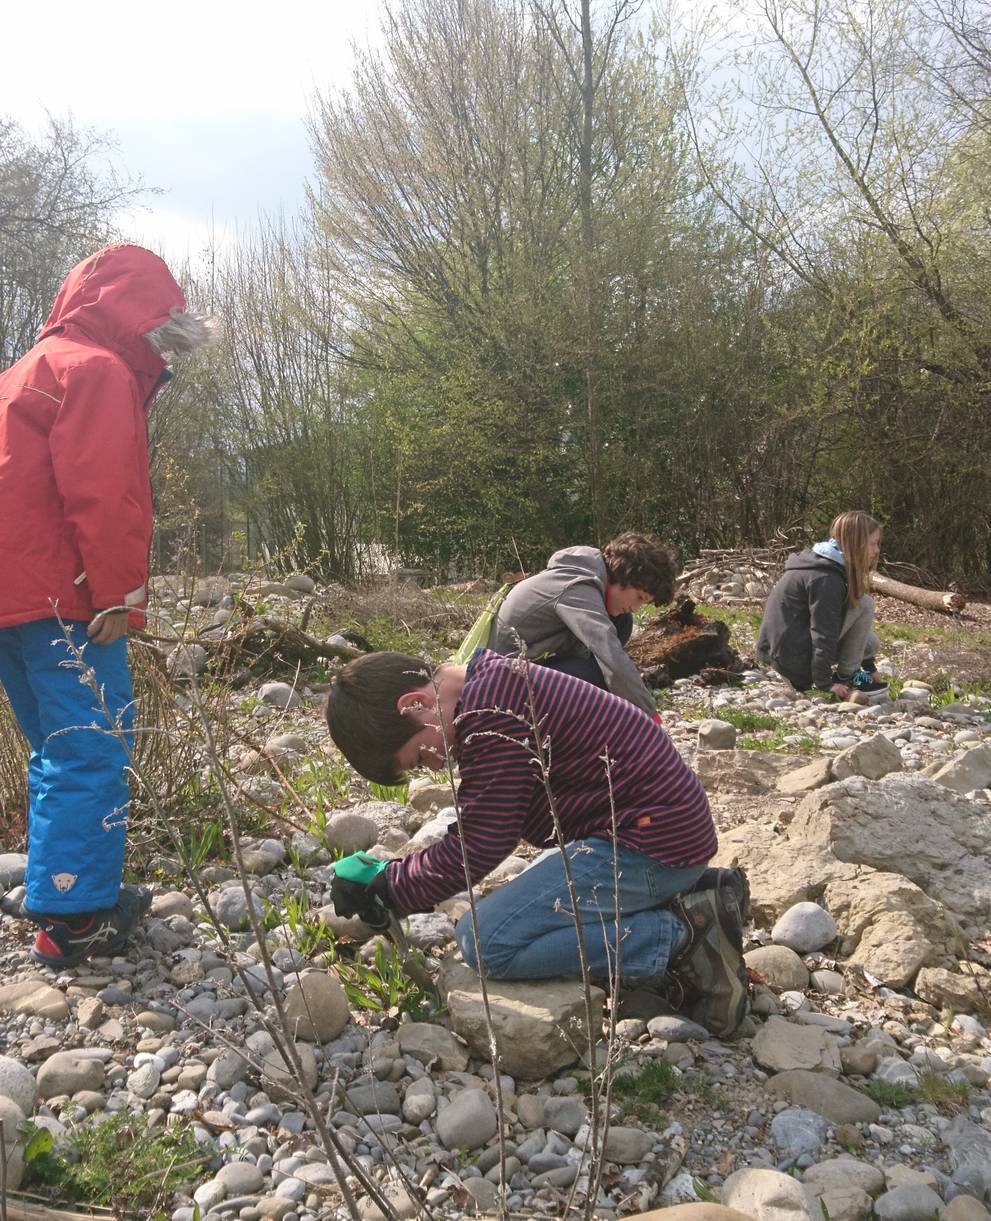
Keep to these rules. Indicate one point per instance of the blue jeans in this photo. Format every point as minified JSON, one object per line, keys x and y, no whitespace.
{"x":77,"y":784}
{"x":527,"y":931}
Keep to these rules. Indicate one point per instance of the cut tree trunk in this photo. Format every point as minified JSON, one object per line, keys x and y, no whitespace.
{"x":680,"y":644}
{"x":931,"y":599}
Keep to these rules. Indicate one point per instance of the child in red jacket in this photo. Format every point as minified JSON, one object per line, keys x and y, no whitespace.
{"x":75,"y":530}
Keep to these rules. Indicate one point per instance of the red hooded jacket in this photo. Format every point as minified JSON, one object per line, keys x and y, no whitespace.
{"x":75,"y":497}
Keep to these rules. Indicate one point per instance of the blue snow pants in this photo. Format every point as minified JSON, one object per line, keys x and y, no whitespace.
{"x":77,"y":785}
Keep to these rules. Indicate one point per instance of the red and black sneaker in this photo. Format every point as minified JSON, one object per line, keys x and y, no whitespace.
{"x":65,"y":941}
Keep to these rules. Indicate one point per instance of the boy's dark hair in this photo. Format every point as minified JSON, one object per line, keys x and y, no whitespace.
{"x":643,"y":562}
{"x":362,"y":716}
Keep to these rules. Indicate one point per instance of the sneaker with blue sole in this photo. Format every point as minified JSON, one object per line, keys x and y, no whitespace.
{"x":67,"y":940}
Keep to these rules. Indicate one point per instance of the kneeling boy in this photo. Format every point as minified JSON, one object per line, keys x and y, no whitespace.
{"x":620,"y":790}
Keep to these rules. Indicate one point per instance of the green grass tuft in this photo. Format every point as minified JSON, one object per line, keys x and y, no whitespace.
{"x":951,"y":1096}
{"x":120,"y":1163}
{"x":641,"y":1093}
{"x":891,"y":1093}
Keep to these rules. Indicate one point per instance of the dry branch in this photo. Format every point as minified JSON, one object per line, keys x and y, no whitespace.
{"x":266,"y":642}
{"x":25,"y":1210}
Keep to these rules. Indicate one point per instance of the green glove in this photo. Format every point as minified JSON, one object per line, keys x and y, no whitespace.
{"x":360,"y":889}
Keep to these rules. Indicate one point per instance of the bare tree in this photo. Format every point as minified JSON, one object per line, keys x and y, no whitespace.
{"x":59,"y":196}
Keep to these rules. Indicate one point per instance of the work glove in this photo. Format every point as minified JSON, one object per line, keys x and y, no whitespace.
{"x":360,"y":889}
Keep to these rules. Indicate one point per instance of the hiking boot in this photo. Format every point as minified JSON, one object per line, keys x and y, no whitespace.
{"x":734,"y":879}
{"x":66,"y":941}
{"x":710,"y":971}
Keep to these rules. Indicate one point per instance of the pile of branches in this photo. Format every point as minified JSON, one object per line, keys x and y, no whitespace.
{"x":905,"y":582}
{"x":770,"y":558}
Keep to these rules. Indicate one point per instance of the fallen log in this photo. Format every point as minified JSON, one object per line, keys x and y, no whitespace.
{"x":929,"y":599}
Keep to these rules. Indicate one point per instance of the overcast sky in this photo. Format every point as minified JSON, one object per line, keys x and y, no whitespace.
{"x":206,"y":100}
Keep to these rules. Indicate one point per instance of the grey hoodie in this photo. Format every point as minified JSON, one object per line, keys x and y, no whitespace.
{"x":800,"y":632}
{"x":562,"y":611}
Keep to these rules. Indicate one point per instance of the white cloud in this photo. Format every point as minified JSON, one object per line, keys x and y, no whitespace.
{"x":207,"y":99}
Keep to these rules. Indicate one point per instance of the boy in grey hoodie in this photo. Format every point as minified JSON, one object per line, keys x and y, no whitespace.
{"x":577,"y":614}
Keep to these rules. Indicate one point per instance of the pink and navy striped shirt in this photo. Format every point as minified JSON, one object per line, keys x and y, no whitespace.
{"x":661,"y":807}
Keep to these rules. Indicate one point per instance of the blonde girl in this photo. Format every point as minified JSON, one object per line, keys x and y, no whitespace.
{"x":817,"y":628}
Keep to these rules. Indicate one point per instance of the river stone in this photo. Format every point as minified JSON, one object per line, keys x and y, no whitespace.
{"x":539,"y":1025}
{"x":771,"y":1196}
{"x":17,"y":1083}
{"x":278,"y":1080}
{"x":419,"y":1101}
{"x":279,"y":695}
{"x":844,"y":1172}
{"x":13,"y":866}
{"x":231,"y":907}
{"x":804,"y":927}
{"x":67,"y":1073}
{"x":716,"y":735}
{"x":950,"y":990}
{"x":838,"y":1102}
{"x":228,"y":1068}
{"x":972,"y":770}
{"x":317,"y":1007}
{"x":797,"y":1130}
{"x":781,"y":1045}
{"x":350,"y":832}
{"x":240,"y":1178}
{"x":874,"y":758}
{"x":675,"y":1029}
{"x":468,"y":1121}
{"x":845,"y":1203}
{"x":274,"y":1208}
{"x":969,"y":1144}
{"x":965,"y":1208}
{"x":876,"y":823}
{"x":433,"y":1045}
{"x":565,"y":1115}
{"x":913,"y":1202}
{"x":144,"y":1081}
{"x":426,"y":794}
{"x":12,"y":1117}
{"x":780,"y":967}
{"x":398,"y":1200}
{"x":373,"y":1098}
{"x":747,"y":771}
{"x":628,"y":1146}
{"x":35,"y":998}
{"x":186,"y":660}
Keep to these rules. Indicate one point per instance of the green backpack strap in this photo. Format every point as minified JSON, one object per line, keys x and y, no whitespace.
{"x":480,"y":632}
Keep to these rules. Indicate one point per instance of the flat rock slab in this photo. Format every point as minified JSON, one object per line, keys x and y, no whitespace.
{"x":433,"y":1045}
{"x":539,"y":1025}
{"x":781,"y":1045}
{"x":36,"y":998}
{"x":805,"y":779}
{"x":836,"y":1101}
{"x":746,"y":771}
{"x":876,"y":823}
